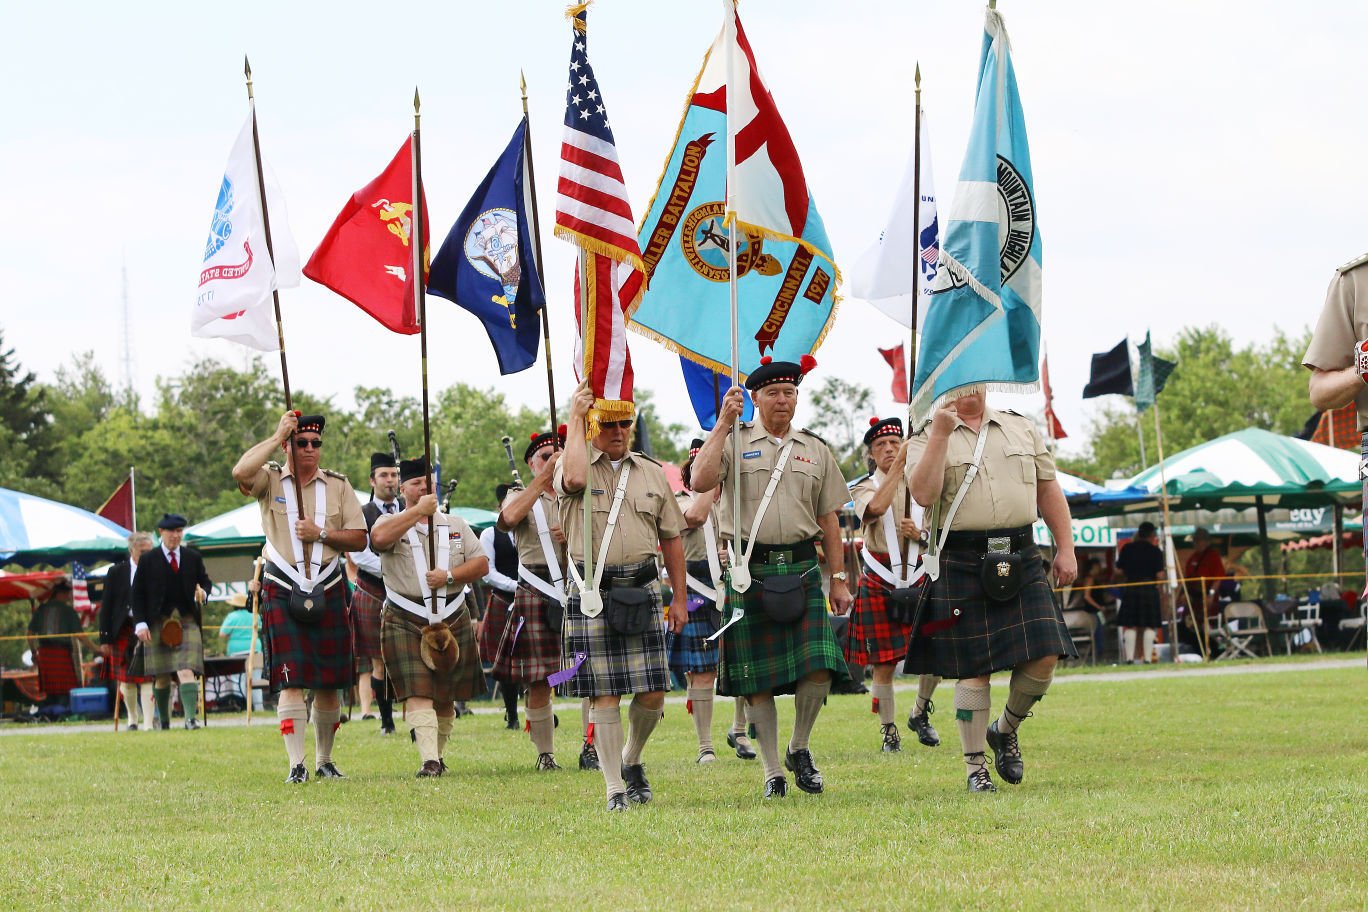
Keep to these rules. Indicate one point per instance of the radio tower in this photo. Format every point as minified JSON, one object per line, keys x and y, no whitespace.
{"x":127,"y":340}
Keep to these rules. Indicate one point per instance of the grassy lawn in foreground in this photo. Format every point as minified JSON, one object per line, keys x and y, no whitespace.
{"x":1243,"y":791}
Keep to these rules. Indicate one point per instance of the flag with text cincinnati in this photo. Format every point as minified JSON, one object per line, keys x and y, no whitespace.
{"x":982,"y":329}
{"x":786,"y":277}
{"x":488,"y":263}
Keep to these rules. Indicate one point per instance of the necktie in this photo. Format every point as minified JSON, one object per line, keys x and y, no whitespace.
{"x":175,"y":564}
{"x":389,"y":508}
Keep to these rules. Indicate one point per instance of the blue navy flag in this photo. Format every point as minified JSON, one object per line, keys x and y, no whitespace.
{"x":706,"y":389}
{"x":488,"y":264}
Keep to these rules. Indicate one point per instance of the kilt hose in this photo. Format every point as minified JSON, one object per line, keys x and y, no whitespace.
{"x":120,"y":654}
{"x":159,"y":659}
{"x":760,"y":655}
{"x":689,"y":649}
{"x":614,"y":665}
{"x":874,"y":638}
{"x":57,"y":672}
{"x":971,"y":635}
{"x":311,"y":656}
{"x":527,"y":656}
{"x":1140,"y":607}
{"x":365,"y":613}
{"x":401,"y":635}
{"x":492,"y":626}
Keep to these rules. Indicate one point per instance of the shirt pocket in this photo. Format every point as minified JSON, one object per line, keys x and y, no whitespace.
{"x":1021,"y":463}
{"x":808,"y":478}
{"x":754,"y":477}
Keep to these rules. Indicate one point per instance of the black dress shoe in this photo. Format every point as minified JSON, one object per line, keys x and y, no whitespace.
{"x":706,"y":756}
{"x":892,"y":741}
{"x":588,"y":758}
{"x":368,"y":717}
{"x":1006,"y":754}
{"x":776,"y":788}
{"x":510,"y":721}
{"x":742,"y":748}
{"x":921,"y":724}
{"x":805,"y":774}
{"x":298,"y":775}
{"x":441,"y":764}
{"x":329,"y":770}
{"x":617,"y":802}
{"x":546,"y":763}
{"x":132,"y":726}
{"x":431,"y":769}
{"x":980,"y":781}
{"x":638,"y":789}
{"x":387,"y":729}
{"x":191,"y":725}
{"x":165,"y":725}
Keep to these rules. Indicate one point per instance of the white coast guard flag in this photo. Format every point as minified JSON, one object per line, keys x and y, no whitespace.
{"x":982,"y":330}
{"x":883,"y":275}
{"x":237,"y":277}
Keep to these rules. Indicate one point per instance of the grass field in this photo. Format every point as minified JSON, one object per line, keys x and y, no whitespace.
{"x":1212,"y":792}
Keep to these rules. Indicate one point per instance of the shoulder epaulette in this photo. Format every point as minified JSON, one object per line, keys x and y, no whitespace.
{"x":645,"y":457}
{"x":331,"y":474}
{"x":812,"y":433}
{"x":1354,"y":263}
{"x":1013,"y":412}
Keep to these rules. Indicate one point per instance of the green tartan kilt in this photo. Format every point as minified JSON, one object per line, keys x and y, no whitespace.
{"x":159,"y":659}
{"x":760,"y":655}
{"x":401,"y":635}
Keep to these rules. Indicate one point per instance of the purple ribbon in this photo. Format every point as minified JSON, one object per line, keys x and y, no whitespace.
{"x":696,"y":602}
{"x":560,"y":677}
{"x":516,"y":630}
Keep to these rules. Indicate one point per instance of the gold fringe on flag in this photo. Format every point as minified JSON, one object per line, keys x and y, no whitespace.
{"x":608,"y":410}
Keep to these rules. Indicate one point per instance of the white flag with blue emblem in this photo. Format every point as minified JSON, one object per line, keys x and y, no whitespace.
{"x":238,"y":275}
{"x":982,"y":330}
{"x":884,"y":274}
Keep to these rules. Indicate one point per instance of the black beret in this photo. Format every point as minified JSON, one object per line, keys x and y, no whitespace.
{"x":771,"y":371}
{"x":172,"y":521}
{"x":545,"y":439}
{"x":886,"y":427}
{"x":412,"y":468}
{"x":313,"y":423}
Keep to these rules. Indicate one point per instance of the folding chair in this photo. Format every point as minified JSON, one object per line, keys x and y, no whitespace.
{"x":1244,"y":622}
{"x":1082,"y":629}
{"x":1357,"y":624}
{"x":1300,"y":624}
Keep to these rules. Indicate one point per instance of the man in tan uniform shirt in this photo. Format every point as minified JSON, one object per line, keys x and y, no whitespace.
{"x":607,"y":662}
{"x":302,"y":550}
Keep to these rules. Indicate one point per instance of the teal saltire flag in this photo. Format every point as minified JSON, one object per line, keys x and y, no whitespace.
{"x":1151,"y":376}
{"x":786,"y":276}
{"x":982,"y":329}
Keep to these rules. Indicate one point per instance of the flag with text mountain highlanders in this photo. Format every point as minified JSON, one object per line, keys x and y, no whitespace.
{"x":488,"y":263}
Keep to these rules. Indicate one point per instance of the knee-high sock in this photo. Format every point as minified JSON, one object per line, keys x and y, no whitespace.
{"x":807,"y":703}
{"x":883,"y":703}
{"x":1025,"y":692}
{"x":1147,"y":644}
{"x":444,"y":724}
{"x":1128,"y":641}
{"x":702,"y":700}
{"x":380,"y":689}
{"x":146,"y":702}
{"x":163,"y":695}
{"x":424,"y":722}
{"x":542,"y":727}
{"x":130,"y":698}
{"x":972,"y":702}
{"x":926,"y":686}
{"x":739,"y":717}
{"x":510,"y":698}
{"x":325,"y":730}
{"x":608,"y":741}
{"x":643,"y":721}
{"x":765,"y":718}
{"x":294,"y":718}
{"x":586,"y":715}
{"x":189,"y":696}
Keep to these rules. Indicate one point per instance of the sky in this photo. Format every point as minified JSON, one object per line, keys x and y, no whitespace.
{"x":1195,"y":163}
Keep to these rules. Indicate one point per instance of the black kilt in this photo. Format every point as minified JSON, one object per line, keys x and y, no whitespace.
{"x":964,"y":634}
{"x":1140,"y":607}
{"x":317,"y":656}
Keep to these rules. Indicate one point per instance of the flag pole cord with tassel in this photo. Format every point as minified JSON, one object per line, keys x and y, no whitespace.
{"x":537,"y":248}
{"x":275,"y":292}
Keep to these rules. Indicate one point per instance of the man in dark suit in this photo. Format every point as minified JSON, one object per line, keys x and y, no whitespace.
{"x":116,"y":633}
{"x":170,"y":586}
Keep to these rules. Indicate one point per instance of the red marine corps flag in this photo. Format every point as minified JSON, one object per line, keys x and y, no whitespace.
{"x":365,"y":255}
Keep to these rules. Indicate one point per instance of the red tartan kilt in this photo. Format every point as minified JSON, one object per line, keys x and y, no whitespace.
{"x":57,"y":675}
{"x":314,"y":657}
{"x":365,"y":612}
{"x":874,"y":639}
{"x":120,"y":651}
{"x":529,"y":655}
{"x":492,"y":626}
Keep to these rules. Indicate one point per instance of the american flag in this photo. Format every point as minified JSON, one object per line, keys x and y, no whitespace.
{"x":80,"y":593}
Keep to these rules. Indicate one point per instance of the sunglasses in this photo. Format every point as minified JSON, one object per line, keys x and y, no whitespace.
{"x":304,"y":443}
{"x":624,"y":424}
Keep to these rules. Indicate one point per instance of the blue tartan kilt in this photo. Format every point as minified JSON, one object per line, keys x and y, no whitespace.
{"x":690,"y":650}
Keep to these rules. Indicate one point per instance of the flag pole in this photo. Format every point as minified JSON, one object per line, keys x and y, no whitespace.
{"x":733,"y":240}
{"x":906,"y":543}
{"x":420,"y":306}
{"x":133,"y":499}
{"x":251,"y":641}
{"x":537,"y":249}
{"x":585,"y":357}
{"x":275,"y":292}
{"x":1171,"y":570}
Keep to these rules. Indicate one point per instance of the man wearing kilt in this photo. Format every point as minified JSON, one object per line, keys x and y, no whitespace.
{"x":52,"y":633}
{"x":426,"y":631}
{"x":117,"y":640}
{"x":303,"y":591}
{"x":780,"y":641}
{"x":170,"y":586}
{"x":613,"y":640}
{"x":988,"y":605}
{"x":369,"y":595}
{"x":876,"y":636}
{"x":692,"y":653}
{"x":527,"y":647}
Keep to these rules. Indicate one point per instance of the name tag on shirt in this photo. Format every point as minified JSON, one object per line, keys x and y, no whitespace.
{"x":753,"y":454}
{"x":597,"y":491}
{"x":280,"y":500}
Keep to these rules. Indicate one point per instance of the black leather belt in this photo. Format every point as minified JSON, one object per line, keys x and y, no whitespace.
{"x":370,"y":579}
{"x":787,"y":554}
{"x":630,"y":576}
{"x":977,"y":542}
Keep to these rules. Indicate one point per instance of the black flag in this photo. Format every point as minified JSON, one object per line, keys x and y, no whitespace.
{"x":1111,"y":373}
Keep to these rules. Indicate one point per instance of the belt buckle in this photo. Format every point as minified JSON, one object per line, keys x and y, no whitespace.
{"x":621,"y":582}
{"x":782,"y":558}
{"x":997,"y":544}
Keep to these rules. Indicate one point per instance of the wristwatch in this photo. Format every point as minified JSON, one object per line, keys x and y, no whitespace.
{"x":322,"y":535}
{"x":840,"y":575}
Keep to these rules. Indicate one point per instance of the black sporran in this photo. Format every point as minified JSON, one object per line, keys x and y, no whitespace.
{"x":783,"y":598}
{"x":902,"y":603}
{"x":1001,"y":575}
{"x":555,"y":614}
{"x":306,"y":606}
{"x":629,"y":610}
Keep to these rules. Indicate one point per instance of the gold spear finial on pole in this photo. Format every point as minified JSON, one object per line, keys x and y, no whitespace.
{"x":417,"y":103}
{"x":918,"y":77}
{"x":522,"y":81}
{"x":247,"y":71}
